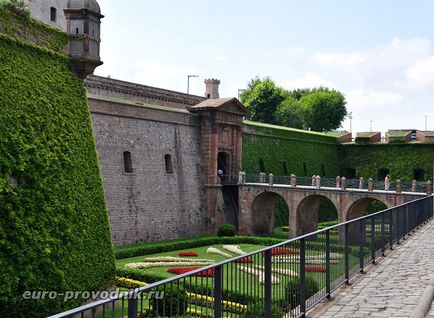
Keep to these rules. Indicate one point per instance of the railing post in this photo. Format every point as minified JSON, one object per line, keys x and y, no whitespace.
{"x":398,"y":186}
{"x":373,"y":240}
{"x":338,"y":182}
{"x":429,"y":188}
{"x":391,"y":229}
{"x":302,"y":277}
{"x":268,"y":285}
{"x":270,"y":179}
{"x":240,"y":177}
{"x":362,"y":230}
{"x":405,"y":232}
{"x":398,"y":226}
{"x":293,"y":180}
{"x":370,"y":185}
{"x":328,"y":267}
{"x":343,"y":183}
{"x":318,"y":182}
{"x":347,"y":256}
{"x":313,"y":181}
{"x":414,"y":186}
{"x":132,"y":306}
{"x":361,"y":183}
{"x":383,"y":243}
{"x":218,"y":291}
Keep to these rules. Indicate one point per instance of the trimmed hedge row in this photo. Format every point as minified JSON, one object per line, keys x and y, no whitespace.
{"x":152,"y":248}
{"x":54,"y":227}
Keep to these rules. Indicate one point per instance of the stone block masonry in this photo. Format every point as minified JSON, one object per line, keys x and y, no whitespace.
{"x":149,"y":204}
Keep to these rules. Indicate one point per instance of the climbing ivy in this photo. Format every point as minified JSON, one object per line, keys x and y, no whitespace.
{"x":400,"y":159}
{"x":54,"y":228}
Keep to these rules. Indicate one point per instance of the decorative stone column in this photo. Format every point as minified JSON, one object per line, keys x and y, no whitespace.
{"x":313,"y":181}
{"x":318,"y":182}
{"x":398,"y":186}
{"x":270,"y":179}
{"x":244,"y":177}
{"x":293,"y":181}
{"x":361,"y":183}
{"x":429,"y":188}
{"x":343,"y":183}
{"x":338,"y":182}
{"x":414,"y":186}
{"x":370,"y":185}
{"x":240,"y":177}
{"x":262,"y":177}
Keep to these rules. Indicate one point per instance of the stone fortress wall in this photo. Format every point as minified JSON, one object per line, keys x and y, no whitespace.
{"x":49,"y":11}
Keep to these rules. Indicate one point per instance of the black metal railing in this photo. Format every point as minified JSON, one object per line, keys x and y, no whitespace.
{"x":286,"y":279}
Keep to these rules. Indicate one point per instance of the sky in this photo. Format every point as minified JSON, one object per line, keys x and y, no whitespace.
{"x":379,"y":54}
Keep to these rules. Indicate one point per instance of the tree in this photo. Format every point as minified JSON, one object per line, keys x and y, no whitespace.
{"x":323,"y":110}
{"x":289,"y":113}
{"x":262,"y":97}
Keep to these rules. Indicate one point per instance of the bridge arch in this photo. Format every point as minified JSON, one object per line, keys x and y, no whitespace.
{"x":361,"y":206}
{"x":307,"y":213}
{"x":263,"y":212}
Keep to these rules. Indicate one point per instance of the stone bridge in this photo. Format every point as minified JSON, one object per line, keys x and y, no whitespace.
{"x":256,"y":202}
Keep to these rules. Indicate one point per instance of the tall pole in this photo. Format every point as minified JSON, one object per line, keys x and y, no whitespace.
{"x":426,"y":122}
{"x":350,"y":116}
{"x":370,"y":123}
{"x":188,"y":82}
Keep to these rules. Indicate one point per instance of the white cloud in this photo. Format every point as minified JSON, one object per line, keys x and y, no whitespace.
{"x":421,"y":74}
{"x":360,"y":98}
{"x":309,"y":80}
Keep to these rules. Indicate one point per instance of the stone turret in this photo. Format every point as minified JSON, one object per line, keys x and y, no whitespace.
{"x":83,"y":24}
{"x":212,"y":88}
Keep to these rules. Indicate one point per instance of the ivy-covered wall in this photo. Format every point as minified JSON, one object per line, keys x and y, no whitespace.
{"x":283,"y":151}
{"x":400,"y":159}
{"x":54,"y":228}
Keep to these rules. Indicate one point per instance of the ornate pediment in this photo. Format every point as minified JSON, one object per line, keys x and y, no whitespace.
{"x":228,"y":105}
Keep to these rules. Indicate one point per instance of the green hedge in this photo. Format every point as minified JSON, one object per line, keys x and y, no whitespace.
{"x":152,"y":248}
{"x":400,"y":159}
{"x":54,"y":228}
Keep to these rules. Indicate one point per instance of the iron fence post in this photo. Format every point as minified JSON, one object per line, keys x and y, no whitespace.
{"x":383,"y":243}
{"x":218,"y":292}
{"x":398,"y":226}
{"x":362,"y":229}
{"x":302,"y":277}
{"x":373,"y":240}
{"x":391,"y":230}
{"x":132,"y":306}
{"x":328,"y":267}
{"x":267,"y":284}
{"x":347,"y":256}
{"x":405,"y":232}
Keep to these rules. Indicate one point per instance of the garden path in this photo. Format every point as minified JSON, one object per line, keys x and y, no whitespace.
{"x":391,"y":288}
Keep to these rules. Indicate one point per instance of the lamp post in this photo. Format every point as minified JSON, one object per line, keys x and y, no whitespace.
{"x":426,"y":122}
{"x":188,"y":82}
{"x":370,"y":123}
{"x":240,"y":90}
{"x":350,"y":116}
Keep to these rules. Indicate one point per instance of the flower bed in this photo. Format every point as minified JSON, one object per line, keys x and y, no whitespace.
{"x":315,"y":269}
{"x":188,"y":254}
{"x":213,"y":250}
{"x":234,"y":249}
{"x":244,"y":260}
{"x":183,"y":270}
{"x":282,"y":251}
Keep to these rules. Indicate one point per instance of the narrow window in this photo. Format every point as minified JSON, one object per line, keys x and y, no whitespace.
{"x":169,"y":165}
{"x":305,"y":168}
{"x":261,"y":165}
{"x":419,"y":174}
{"x":208,"y":95}
{"x":53,"y":14}
{"x":322,"y":170}
{"x":285,"y":168}
{"x":76,"y":30}
{"x":128,"y":163}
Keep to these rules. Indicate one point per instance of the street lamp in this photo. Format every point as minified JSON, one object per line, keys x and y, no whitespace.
{"x":426,"y":122}
{"x":188,"y":82}
{"x":350,"y":116}
{"x":370,"y":122}
{"x":240,"y":90}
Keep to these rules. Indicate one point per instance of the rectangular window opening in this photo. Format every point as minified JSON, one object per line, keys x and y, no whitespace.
{"x":53,"y":14}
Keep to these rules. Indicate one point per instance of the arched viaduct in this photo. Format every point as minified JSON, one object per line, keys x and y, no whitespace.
{"x":257,"y":204}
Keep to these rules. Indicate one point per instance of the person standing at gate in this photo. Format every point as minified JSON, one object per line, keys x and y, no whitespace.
{"x":387,"y":182}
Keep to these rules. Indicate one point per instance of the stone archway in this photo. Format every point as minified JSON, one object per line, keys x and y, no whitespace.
{"x":307,"y":213}
{"x":263,"y":213}
{"x":224,"y":163}
{"x":358,"y":209}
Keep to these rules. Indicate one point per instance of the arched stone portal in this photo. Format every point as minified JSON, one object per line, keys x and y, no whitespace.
{"x":307,"y":213}
{"x":263,"y":217}
{"x":224,"y":163}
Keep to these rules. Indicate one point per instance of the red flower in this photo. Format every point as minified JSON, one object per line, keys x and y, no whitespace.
{"x":315,"y":269}
{"x":282,"y":251}
{"x":244,"y":260}
{"x":188,"y":254}
{"x":183,"y":270}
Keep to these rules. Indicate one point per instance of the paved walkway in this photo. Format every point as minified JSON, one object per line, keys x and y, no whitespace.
{"x":391,"y":288}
